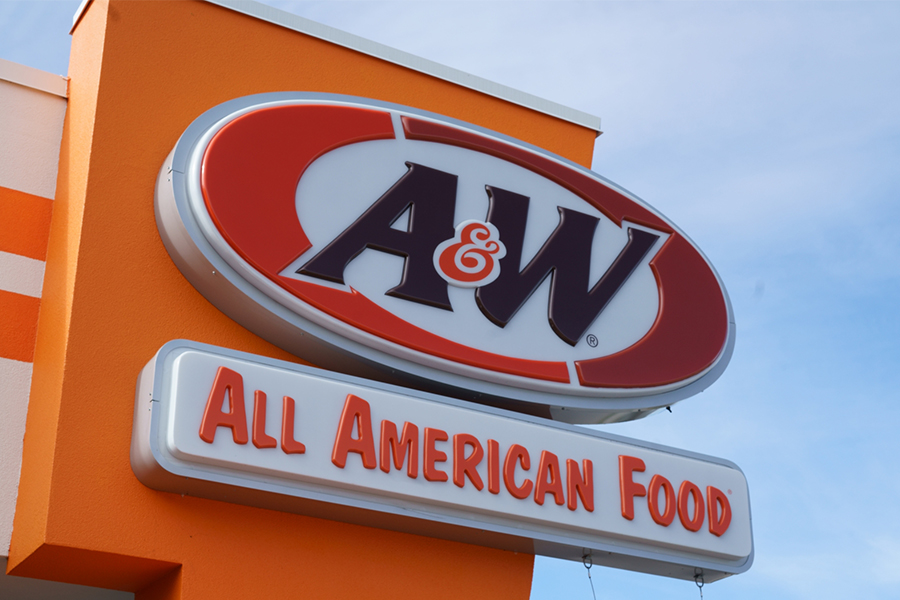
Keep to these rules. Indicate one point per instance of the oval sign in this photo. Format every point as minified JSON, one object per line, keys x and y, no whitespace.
{"x":391,"y":243}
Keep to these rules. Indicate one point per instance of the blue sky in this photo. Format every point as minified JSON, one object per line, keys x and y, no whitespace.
{"x":770,"y":132}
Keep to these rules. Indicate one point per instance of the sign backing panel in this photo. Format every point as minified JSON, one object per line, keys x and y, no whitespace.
{"x":474,"y":474}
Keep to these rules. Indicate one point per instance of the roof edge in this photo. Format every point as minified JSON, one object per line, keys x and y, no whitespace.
{"x":288,"y":20}
{"x":404,"y":59}
{"x":317,"y":30}
{"x":79,"y":12}
{"x":35,"y":79}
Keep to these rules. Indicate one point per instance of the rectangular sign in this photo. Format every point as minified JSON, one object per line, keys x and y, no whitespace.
{"x":227,"y":425}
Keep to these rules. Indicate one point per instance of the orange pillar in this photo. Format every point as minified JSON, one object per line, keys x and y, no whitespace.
{"x":141,"y":72}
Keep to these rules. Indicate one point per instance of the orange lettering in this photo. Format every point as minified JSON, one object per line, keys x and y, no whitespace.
{"x":432,"y":455}
{"x":628,"y":489}
{"x":356,"y":412}
{"x":580,"y":486}
{"x":517,"y":454}
{"x":260,"y":438}
{"x":661,"y":518}
{"x":718,"y":524}
{"x":493,"y":466}
{"x":696,"y":521}
{"x":549,"y":479}
{"x":288,"y":444}
{"x":231,"y":383}
{"x":465,"y":466}
{"x":408,"y":445}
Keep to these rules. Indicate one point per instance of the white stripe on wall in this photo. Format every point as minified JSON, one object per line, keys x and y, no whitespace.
{"x":21,"y":275}
{"x":15,"y":385}
{"x":31,"y":123}
{"x":32,"y":112}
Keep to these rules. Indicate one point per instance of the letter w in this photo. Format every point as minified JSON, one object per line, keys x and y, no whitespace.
{"x":566,"y":257}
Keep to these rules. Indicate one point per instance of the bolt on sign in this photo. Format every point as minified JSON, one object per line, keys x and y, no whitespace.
{"x":384,"y":241}
{"x":223,"y":424}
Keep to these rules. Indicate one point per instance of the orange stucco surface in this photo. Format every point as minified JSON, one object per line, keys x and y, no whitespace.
{"x":24,"y":223}
{"x":141,"y":72}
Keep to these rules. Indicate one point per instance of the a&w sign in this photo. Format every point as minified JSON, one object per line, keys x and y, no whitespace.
{"x":403,"y":246}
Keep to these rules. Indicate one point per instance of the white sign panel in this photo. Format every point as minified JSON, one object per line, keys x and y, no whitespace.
{"x":243,"y":428}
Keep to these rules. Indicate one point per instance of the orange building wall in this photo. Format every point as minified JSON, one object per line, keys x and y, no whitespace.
{"x":24,"y":226}
{"x":140,"y":73}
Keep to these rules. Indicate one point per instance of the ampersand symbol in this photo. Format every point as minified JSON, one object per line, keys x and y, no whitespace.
{"x":472,"y":257}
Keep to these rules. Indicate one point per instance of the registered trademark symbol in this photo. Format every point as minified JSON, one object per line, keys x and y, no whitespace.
{"x":592,"y":341}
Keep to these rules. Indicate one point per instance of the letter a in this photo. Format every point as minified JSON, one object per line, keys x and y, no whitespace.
{"x":230,"y":382}
{"x":431,"y":196}
{"x":356,"y":410}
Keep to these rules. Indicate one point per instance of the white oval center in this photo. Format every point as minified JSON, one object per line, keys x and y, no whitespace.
{"x":339,"y":186}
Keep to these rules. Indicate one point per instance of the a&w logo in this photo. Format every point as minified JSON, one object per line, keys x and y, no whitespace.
{"x":478,"y":255}
{"x":420,"y":250}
